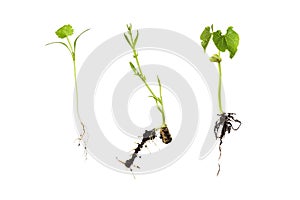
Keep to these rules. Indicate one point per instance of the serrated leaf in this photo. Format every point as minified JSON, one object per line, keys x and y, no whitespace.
{"x":205,"y":37}
{"x":64,"y":31}
{"x":75,"y":41}
{"x":232,"y":41}
{"x":219,"y":40}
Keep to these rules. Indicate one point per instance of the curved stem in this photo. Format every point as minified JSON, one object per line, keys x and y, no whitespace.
{"x":219,"y":87}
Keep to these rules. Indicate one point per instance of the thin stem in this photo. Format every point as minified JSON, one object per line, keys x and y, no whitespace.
{"x":71,"y":48}
{"x":163,"y":113}
{"x":159,"y":102}
{"x":76,"y":90}
{"x":142,"y":77}
{"x":219,"y":87}
{"x":135,"y":55}
{"x":162,"y":105}
{"x":146,"y":84}
{"x":160,"y":108}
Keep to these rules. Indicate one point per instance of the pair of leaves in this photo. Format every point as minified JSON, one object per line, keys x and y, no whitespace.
{"x":229,"y":41}
{"x":132,"y":42}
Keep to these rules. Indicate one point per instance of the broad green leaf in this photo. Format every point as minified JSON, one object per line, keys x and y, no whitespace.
{"x":205,"y":37}
{"x":219,"y":40}
{"x":64,"y":31}
{"x":75,"y":41}
{"x":232,"y":41}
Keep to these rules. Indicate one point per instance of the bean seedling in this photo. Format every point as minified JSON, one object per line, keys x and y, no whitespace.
{"x":229,"y":42}
{"x":63,"y":33}
{"x":165,"y":135}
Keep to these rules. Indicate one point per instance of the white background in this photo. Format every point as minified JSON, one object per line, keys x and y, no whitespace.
{"x":38,"y":157}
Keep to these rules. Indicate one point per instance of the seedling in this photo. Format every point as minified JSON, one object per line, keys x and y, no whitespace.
{"x":164,"y":131}
{"x":63,"y":33}
{"x":229,"y":42}
{"x":165,"y":135}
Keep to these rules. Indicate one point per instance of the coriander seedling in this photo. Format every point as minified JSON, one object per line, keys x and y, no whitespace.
{"x":64,"y":33}
{"x":229,"y":42}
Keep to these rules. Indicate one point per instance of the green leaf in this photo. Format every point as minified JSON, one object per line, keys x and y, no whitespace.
{"x":219,"y":40}
{"x":129,"y":27}
{"x":205,"y":37}
{"x":232,"y":41}
{"x":75,"y":41}
{"x":127,"y":40}
{"x":132,"y":67}
{"x":136,"y":38}
{"x":159,"y":84}
{"x":64,"y":31}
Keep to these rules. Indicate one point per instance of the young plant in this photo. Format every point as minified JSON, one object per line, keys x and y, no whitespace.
{"x":229,"y":42}
{"x":64,"y":33}
{"x":164,"y":132}
{"x":165,"y":135}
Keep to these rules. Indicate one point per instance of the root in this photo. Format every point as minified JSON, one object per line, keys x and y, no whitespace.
{"x":81,"y":141}
{"x":147,"y":136}
{"x":225,"y":123}
{"x":219,"y":169}
{"x":220,"y":154}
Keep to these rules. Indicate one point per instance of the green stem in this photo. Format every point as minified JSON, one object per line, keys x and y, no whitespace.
{"x":163,"y":113}
{"x":135,"y":55}
{"x":76,"y":89}
{"x":142,"y":77}
{"x":71,"y":48}
{"x":219,"y":87}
